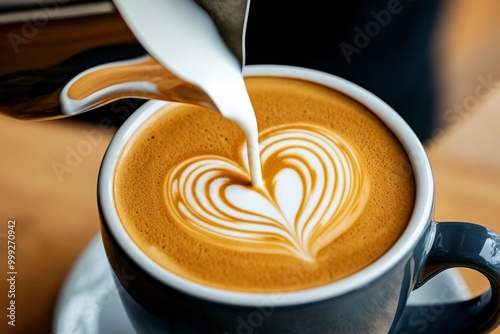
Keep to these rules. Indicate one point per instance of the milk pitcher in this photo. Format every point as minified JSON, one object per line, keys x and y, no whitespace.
{"x":60,"y":58}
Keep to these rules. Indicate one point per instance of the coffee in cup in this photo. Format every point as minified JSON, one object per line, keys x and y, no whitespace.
{"x":337,"y":191}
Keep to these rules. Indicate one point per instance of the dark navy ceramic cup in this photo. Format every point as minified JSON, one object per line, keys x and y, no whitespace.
{"x":373,"y":300}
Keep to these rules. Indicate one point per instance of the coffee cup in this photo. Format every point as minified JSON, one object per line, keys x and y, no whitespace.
{"x":160,"y":297}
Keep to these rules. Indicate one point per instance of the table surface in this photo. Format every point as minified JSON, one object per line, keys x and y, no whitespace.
{"x":51,"y":192}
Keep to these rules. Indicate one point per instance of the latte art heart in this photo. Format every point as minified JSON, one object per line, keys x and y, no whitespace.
{"x":314,"y":189}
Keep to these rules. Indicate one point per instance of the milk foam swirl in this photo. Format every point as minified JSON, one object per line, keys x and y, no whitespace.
{"x":314,"y":189}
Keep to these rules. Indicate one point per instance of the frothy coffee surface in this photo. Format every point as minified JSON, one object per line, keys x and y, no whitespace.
{"x":314,"y":188}
{"x":338,"y":190}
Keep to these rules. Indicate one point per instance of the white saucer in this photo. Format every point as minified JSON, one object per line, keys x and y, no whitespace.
{"x":89,"y":303}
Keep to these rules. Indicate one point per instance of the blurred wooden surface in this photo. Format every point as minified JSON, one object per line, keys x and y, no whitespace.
{"x":465,"y":154}
{"x":466,"y":165}
{"x":57,"y":216}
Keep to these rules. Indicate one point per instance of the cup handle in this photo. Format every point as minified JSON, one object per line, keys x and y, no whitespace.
{"x":458,"y":244}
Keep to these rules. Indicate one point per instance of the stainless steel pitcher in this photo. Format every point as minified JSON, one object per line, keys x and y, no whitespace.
{"x":60,"y":58}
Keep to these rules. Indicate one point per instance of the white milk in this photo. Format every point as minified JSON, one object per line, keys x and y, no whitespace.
{"x":184,"y":39}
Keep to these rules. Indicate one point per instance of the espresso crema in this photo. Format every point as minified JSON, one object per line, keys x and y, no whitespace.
{"x":336,"y":194}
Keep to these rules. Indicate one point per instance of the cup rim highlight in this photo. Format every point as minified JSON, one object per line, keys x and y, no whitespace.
{"x":419,"y":220}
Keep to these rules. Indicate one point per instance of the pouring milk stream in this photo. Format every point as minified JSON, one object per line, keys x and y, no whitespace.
{"x":182,"y":37}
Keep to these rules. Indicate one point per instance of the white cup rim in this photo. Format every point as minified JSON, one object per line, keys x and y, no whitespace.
{"x":418,"y":222}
